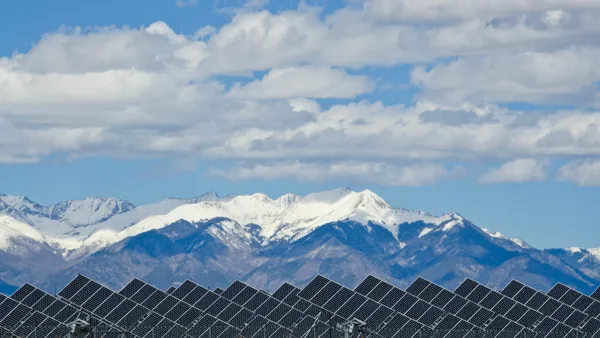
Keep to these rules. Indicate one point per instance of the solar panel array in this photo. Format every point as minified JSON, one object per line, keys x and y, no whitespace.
{"x":190,"y":310}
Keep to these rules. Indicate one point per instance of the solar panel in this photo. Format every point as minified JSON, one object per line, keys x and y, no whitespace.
{"x":187,"y":318}
{"x":412,"y":327}
{"x":530,"y":318}
{"x":65,"y":314}
{"x":15,"y":316}
{"x":283,"y":291}
{"x":29,"y":324}
{"x":183,"y":289}
{"x":394,"y":325}
{"x":143,"y":293}
{"x":481,"y":317}
{"x":339,"y":299}
{"x":132,"y":318}
{"x":516,"y":312}
{"x":115,"y":315}
{"x":109,"y":304}
{"x":170,"y":290}
{"x":596,"y":294}
{"x":558,"y":291}
{"x":593,"y":310}
{"x":43,"y":303}
{"x":85,"y":293}
{"x":575,"y":319}
{"x":549,"y":307}
{"x":468,"y":311}
{"x":22,"y":292}
{"x":219,"y":305}
{"x":154,"y":299}
{"x":33,"y":297}
{"x":150,"y":321}
{"x":351,"y":305}
{"x":497,"y":324}
{"x":241,"y":318}
{"x":206,"y":301}
{"x":418,"y":309}
{"x":177,"y":311}
{"x":233,"y":290}
{"x":218,"y":291}
{"x":537,"y":301}
{"x":503,"y":306}
{"x":583,"y":303}
{"x":392,"y":297}
{"x":266,"y":307}
{"x":490,"y":301}
{"x":443,"y":298}
{"x":546,"y":325}
{"x":570,"y":297}
{"x":512,"y":289}
{"x":326,"y":293}
{"x":303,"y":326}
{"x":378,"y":317}
{"x":229,"y":312}
{"x":195,"y":295}
{"x":466,"y":287}
{"x":380,"y":291}
{"x":73,"y":287}
{"x":563,"y":312}
{"x":44,"y":329}
{"x":55,"y":308}
{"x":365,"y":310}
{"x":245,"y":295}
{"x":290,"y":318}
{"x":417,"y":286}
{"x":455,"y":305}
{"x":448,"y":323}
{"x":405,"y":303}
{"x":524,"y":295}
{"x":94,"y":301}
{"x":313,"y":287}
{"x":478,"y":294}
{"x":591,"y":327}
{"x":367,"y":285}
{"x":279,"y":312}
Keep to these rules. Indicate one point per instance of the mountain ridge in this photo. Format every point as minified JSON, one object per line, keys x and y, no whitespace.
{"x":256,"y":238}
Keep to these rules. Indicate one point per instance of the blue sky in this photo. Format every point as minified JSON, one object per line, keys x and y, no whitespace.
{"x":432,"y":109}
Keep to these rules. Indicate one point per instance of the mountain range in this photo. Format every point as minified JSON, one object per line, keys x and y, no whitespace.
{"x":215,"y":240}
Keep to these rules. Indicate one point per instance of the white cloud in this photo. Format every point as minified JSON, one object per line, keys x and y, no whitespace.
{"x":186,"y":3}
{"x":448,"y":10}
{"x":150,"y":91}
{"x":581,"y":172}
{"x":520,"y":170}
{"x":307,"y":81}
{"x":568,"y":75}
{"x":364,"y":172}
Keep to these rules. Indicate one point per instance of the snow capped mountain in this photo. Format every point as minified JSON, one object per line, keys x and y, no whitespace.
{"x":340,"y":232}
{"x":66,"y":225}
{"x":288,"y":217}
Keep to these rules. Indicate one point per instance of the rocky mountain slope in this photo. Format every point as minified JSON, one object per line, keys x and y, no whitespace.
{"x":340,"y":233}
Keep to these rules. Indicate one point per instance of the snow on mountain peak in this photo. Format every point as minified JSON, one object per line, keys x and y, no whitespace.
{"x":12,"y":229}
{"x":515,"y":240}
{"x":288,"y":217}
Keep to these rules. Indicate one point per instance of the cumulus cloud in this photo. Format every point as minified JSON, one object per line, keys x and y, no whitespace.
{"x":581,"y":172}
{"x":307,"y":81}
{"x":151,"y":91}
{"x":565,"y":76}
{"x":364,"y":172}
{"x":450,"y":10}
{"x":520,"y":170}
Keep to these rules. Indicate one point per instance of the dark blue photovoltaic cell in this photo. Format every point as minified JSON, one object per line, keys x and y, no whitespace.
{"x":426,"y":311}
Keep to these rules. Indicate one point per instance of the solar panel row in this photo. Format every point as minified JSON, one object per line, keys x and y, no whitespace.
{"x":423,"y":310}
